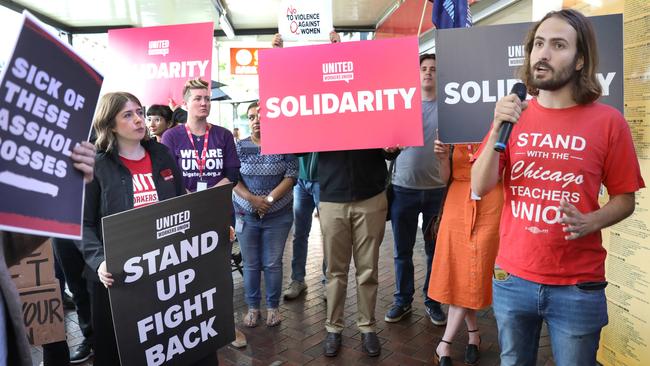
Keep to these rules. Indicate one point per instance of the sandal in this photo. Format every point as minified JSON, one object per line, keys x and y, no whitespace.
{"x":442,"y":360}
{"x":251,"y":318}
{"x":273,"y":317}
{"x":472,"y":353}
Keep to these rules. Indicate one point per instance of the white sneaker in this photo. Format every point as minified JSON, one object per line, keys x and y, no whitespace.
{"x":294,"y":290}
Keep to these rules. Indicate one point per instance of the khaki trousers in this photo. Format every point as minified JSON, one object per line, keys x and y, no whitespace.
{"x":352,"y":229}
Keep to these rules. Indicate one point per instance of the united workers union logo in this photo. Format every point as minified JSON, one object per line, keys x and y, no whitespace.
{"x":171,"y":224}
{"x":338,"y":71}
{"x":516,"y":55}
{"x":160,"y":47}
{"x":307,"y":23}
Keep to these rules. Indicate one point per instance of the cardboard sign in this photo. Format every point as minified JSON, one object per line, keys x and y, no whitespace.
{"x":342,"y":96}
{"x":468,"y":88}
{"x":244,"y":61}
{"x":154,"y":63}
{"x":43,"y":313}
{"x":46,"y":107}
{"x":40,"y":296}
{"x":305,"y":19}
{"x":172,"y":296}
{"x":36,"y":269}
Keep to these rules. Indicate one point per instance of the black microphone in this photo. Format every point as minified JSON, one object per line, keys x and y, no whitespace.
{"x":506,"y":127}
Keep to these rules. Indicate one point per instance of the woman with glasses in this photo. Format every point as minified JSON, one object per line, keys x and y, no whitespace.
{"x":263,"y":200}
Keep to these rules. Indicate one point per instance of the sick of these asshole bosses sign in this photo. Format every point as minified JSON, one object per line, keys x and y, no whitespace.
{"x":352,"y":95}
{"x":46,"y":107}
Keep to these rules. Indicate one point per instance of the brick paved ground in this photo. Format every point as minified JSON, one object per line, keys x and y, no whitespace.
{"x":297,"y":341}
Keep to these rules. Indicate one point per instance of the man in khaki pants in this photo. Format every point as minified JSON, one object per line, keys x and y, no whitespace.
{"x":353,"y":217}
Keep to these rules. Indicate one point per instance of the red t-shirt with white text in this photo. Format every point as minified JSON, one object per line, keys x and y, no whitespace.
{"x":554,"y":154}
{"x":144,"y":188}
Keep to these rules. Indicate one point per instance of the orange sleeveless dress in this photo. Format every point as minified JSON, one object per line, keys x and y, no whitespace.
{"x":468,"y":239}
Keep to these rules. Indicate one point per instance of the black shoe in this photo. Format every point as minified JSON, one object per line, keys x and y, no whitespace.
{"x":436,"y":315}
{"x":397,"y":313}
{"x":81,"y":354}
{"x":370,"y":344}
{"x":444,"y":360}
{"x":68,"y":304}
{"x":332,"y":344}
{"x":472,"y":352}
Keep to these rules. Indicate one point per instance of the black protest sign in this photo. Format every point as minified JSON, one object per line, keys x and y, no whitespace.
{"x":477,"y":66}
{"x":48,"y":96}
{"x":172,"y":296}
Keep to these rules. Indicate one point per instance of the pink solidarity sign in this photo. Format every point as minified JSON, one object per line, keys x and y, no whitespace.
{"x":354,"y":95}
{"x":155,"y":62}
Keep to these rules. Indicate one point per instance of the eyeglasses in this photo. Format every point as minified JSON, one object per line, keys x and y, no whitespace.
{"x":253,"y":117}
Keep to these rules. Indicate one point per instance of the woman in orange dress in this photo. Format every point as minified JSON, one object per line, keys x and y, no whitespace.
{"x":466,"y":247}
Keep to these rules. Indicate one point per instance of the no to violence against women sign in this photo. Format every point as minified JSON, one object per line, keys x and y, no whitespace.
{"x":172,"y":295}
{"x":353,"y":95}
{"x":305,"y":19}
{"x":154,"y":63}
{"x":48,"y":96}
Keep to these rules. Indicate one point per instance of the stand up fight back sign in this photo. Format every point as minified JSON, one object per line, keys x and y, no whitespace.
{"x":172,"y":296}
{"x":48,"y":96}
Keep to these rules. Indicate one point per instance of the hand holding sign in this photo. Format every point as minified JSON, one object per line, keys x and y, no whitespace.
{"x":441,"y":150}
{"x":277,"y":41}
{"x":104,"y":276}
{"x":83,"y":159}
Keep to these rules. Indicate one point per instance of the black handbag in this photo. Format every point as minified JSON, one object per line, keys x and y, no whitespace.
{"x":431,"y":230}
{"x":390,"y":195}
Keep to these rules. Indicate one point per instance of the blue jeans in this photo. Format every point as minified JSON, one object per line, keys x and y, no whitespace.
{"x":404,"y":211}
{"x":305,"y":199}
{"x":262,"y":246}
{"x":574,"y":318}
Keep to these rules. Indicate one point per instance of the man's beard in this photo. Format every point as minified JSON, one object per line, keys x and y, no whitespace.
{"x":558,"y":80}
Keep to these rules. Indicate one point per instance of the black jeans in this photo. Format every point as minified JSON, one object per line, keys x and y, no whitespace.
{"x":72,"y":264}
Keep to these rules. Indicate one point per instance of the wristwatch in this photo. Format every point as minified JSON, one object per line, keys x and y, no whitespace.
{"x":269,"y":199}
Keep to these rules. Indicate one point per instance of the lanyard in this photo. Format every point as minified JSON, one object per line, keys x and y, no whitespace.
{"x":200,"y":161}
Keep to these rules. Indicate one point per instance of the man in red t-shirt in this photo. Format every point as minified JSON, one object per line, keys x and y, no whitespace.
{"x":551,"y":263}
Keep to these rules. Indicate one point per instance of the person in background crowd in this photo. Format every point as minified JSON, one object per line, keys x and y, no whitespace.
{"x":235,"y":134}
{"x":205,"y":153}
{"x":72,"y":265}
{"x":263,"y":205}
{"x":14,"y":349}
{"x":179,"y":116}
{"x":352,"y":213}
{"x":125,"y":154}
{"x":467,"y":243}
{"x":417,"y":188}
{"x":551,"y":267}
{"x":305,"y":200}
{"x":159,"y":120}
